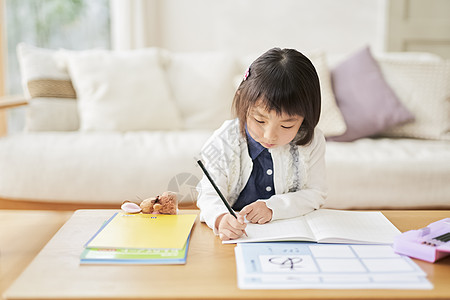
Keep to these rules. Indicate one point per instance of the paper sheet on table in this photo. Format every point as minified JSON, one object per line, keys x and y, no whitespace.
{"x":294,"y":265}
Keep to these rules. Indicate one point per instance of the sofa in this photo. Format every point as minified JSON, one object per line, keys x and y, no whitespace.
{"x":107,"y":126}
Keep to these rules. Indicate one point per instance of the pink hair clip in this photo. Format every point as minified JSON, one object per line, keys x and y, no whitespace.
{"x":247,"y":73}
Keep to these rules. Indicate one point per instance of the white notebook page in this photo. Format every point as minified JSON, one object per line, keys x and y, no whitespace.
{"x":325,"y":225}
{"x":278,"y":230}
{"x":338,"y":226}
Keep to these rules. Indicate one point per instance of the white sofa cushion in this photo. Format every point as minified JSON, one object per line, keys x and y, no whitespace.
{"x":122,"y":91}
{"x":388,"y":173}
{"x":202,"y":85}
{"x":109,"y":167}
{"x":100,"y":167}
{"x":423,"y":86}
{"x":48,"y":87}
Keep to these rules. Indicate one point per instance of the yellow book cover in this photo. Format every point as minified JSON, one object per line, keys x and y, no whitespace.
{"x":143,"y":231}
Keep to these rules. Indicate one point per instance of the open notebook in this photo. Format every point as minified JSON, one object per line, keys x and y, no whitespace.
{"x":325,"y":226}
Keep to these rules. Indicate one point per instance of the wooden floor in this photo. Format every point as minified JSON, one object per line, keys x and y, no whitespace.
{"x":23,"y":204}
{"x":22,"y":235}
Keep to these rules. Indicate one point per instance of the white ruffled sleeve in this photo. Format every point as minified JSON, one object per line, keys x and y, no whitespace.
{"x":313,"y":186}
{"x":218,"y":157}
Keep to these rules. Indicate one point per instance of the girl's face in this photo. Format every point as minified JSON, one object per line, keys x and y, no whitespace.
{"x":272,"y":130}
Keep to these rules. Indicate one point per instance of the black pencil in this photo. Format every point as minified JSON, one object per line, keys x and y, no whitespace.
{"x":200,"y":163}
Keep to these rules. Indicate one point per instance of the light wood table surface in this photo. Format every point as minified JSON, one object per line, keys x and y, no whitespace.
{"x":22,"y":235}
{"x":210,"y":271}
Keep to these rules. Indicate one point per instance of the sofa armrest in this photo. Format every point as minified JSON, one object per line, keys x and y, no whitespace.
{"x":12,"y":101}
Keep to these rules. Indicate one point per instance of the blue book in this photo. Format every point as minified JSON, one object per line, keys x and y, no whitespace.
{"x":154,"y":256}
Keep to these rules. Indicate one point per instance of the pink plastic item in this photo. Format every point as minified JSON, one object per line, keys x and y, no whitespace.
{"x":430,"y":243}
{"x":130,"y":207}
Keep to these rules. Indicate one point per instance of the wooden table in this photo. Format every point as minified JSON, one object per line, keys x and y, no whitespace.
{"x":210,"y":272}
{"x":22,"y":235}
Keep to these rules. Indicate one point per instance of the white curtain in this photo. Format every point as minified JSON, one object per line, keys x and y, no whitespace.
{"x":133,"y":24}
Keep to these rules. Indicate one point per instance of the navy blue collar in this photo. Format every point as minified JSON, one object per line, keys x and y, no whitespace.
{"x":254,"y":148}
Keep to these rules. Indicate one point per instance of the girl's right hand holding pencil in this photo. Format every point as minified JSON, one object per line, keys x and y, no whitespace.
{"x":229,"y":227}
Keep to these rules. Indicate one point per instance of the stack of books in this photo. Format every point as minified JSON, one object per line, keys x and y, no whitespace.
{"x":140,"y":239}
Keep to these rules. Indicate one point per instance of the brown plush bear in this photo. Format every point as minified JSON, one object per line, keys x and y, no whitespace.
{"x":164,"y":204}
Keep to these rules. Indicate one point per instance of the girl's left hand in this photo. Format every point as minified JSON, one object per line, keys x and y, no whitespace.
{"x":257,"y":212}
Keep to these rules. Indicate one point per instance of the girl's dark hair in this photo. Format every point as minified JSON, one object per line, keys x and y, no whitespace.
{"x":284,"y":81}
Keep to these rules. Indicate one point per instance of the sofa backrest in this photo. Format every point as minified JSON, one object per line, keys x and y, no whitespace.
{"x":155,"y":89}
{"x":198,"y":94}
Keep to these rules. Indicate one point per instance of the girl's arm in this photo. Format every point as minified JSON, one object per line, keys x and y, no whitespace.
{"x":211,"y":206}
{"x":314,"y":191}
{"x":217,"y":156}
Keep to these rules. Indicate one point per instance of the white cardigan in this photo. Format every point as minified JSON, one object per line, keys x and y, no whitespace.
{"x":299,"y":174}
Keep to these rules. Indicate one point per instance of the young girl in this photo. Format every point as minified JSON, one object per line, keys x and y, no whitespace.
{"x":269,"y":162}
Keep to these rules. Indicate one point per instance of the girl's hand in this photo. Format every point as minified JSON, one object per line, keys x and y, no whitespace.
{"x":257,"y":212}
{"x":229,"y":227}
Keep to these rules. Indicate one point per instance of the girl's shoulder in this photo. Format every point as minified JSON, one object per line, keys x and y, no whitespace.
{"x":229,"y":126}
{"x":318,"y":142}
{"x":319,"y":137}
{"x":228,"y":133}
{"x":224,"y":145}
{"x":229,"y":129}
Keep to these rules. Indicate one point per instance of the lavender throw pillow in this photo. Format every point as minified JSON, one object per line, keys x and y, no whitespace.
{"x":366,"y":101}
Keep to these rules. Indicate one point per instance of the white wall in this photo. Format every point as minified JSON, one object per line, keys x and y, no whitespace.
{"x":417,"y":25}
{"x":256,"y":25}
{"x":249,"y":26}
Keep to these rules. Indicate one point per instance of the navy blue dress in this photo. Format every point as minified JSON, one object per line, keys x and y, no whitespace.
{"x":260,"y":184}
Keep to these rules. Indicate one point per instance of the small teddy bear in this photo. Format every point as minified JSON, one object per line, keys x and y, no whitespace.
{"x":164,"y":204}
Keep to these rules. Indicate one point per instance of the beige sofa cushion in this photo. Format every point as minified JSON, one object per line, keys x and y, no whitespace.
{"x":48,"y":87}
{"x":331,"y":120}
